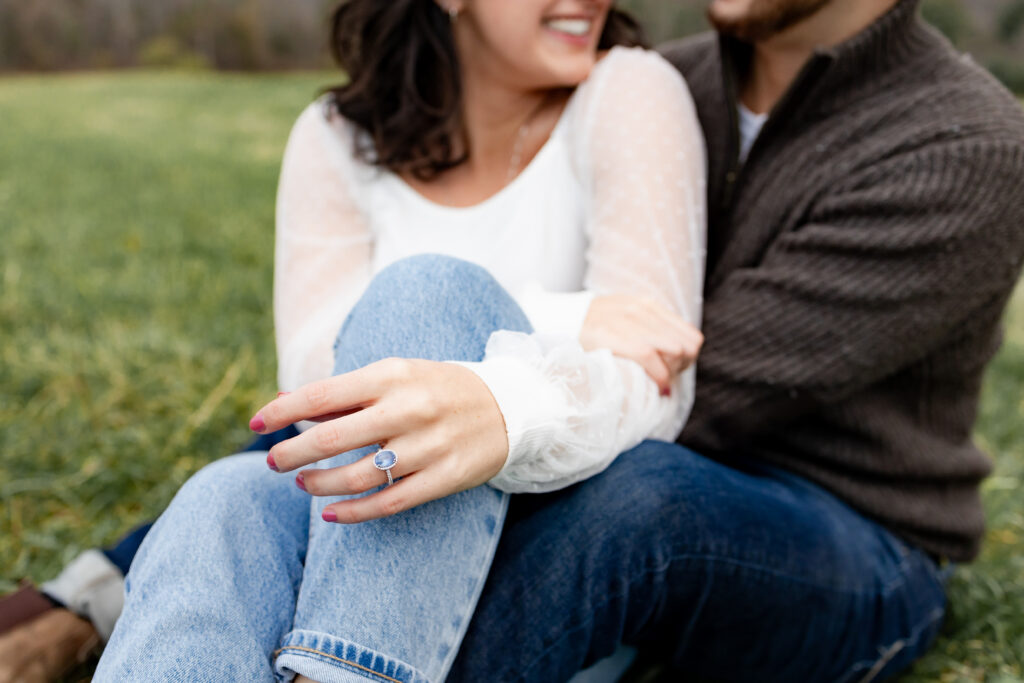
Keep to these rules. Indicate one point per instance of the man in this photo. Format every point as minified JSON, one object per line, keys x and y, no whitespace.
{"x":863,"y":243}
{"x":865,"y":235}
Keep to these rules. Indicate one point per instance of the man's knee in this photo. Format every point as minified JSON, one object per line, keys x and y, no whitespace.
{"x":649,"y":480}
{"x":645,"y":494}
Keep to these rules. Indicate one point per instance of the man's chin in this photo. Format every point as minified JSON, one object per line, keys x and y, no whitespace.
{"x":740,"y":29}
{"x":763,"y":18}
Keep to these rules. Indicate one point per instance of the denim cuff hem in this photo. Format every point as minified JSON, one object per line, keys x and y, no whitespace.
{"x":328,"y":659}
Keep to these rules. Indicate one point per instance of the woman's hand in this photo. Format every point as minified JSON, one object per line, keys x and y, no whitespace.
{"x":642,"y":331}
{"x":440,"y":418}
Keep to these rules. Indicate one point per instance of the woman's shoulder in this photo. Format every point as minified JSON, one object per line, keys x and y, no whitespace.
{"x":323,"y":138}
{"x":631,"y":89}
{"x":320,"y":151}
{"x":628,"y":83}
{"x":634,"y":58}
{"x":629,"y":70}
{"x":320,"y":121}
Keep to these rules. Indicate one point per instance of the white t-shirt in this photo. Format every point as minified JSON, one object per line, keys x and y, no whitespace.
{"x":613,"y":203}
{"x":750,"y":127}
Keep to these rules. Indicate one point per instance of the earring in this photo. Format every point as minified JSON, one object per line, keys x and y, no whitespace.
{"x":453,"y":13}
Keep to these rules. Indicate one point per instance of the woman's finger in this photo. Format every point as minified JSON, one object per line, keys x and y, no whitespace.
{"x":679,"y":355}
{"x":677,"y":364}
{"x":363,"y":428}
{"x":416,"y":489}
{"x":665,"y":317}
{"x":675,"y":325}
{"x":343,"y":393}
{"x":333,"y":416}
{"x":655,"y":367}
{"x":662,"y":327}
{"x":694,"y":337}
{"x":680,"y":331}
{"x":686,"y":345}
{"x":363,"y":475}
{"x":667,"y":343}
{"x":677,"y":352}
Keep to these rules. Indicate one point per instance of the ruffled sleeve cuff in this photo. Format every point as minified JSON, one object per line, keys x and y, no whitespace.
{"x":530,"y":406}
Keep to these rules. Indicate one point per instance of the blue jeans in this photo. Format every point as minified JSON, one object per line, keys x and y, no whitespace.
{"x":738,"y":572}
{"x":240,"y":579}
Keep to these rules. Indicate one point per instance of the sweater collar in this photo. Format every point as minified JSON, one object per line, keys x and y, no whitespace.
{"x":895,"y":38}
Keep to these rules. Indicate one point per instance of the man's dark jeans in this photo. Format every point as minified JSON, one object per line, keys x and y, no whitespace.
{"x":740,"y":573}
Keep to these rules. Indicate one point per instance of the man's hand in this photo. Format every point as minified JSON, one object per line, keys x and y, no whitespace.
{"x":645,"y":332}
{"x":440,"y":418}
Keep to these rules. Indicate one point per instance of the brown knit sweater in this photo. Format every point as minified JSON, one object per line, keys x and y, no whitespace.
{"x":858,"y":266}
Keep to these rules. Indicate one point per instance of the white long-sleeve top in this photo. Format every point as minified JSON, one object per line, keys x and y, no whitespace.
{"x":614,"y":203}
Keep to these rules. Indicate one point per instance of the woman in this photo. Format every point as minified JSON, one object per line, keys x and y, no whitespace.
{"x":491,"y":167}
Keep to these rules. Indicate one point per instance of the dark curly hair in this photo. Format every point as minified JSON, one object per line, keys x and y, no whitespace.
{"x":404,"y":86}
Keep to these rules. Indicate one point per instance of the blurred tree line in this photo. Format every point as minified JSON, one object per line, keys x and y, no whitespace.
{"x":223,"y":34}
{"x":271,"y":34}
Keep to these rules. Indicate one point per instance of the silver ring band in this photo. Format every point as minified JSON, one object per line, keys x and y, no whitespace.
{"x":384,"y":460}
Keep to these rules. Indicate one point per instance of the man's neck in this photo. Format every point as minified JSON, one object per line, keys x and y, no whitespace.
{"x":778,"y":60}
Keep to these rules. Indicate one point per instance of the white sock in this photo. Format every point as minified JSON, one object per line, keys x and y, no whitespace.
{"x":92,"y":587}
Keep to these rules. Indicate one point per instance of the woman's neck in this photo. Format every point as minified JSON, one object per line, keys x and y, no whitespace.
{"x":494,"y":116}
{"x":504,"y":127}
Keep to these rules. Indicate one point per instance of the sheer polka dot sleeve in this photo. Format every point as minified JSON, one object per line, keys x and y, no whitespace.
{"x":323,"y":247}
{"x":639,"y":152}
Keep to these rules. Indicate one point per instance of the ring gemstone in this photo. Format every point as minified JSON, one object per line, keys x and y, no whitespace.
{"x":385,"y":459}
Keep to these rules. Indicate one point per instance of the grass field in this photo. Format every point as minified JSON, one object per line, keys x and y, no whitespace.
{"x":137,"y":237}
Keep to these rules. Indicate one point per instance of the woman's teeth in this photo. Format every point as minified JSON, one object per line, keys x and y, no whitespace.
{"x":574,"y":27}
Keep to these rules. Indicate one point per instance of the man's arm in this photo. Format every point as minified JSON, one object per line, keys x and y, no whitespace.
{"x":886,"y":269}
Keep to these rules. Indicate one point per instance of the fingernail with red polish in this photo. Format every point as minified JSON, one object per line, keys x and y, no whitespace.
{"x":271,"y":464}
{"x":300,"y":481}
{"x":257,"y":424}
{"x":283,"y":393}
{"x":330,"y":516}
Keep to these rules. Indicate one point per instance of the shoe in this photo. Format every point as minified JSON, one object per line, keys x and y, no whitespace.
{"x":22,"y":606}
{"x":46,"y":647}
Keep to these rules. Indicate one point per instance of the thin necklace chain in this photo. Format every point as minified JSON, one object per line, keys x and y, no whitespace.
{"x":515,"y":162}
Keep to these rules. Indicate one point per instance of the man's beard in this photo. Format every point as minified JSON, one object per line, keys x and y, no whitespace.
{"x":765,"y":18}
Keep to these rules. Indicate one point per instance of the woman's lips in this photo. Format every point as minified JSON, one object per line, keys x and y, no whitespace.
{"x":576,"y":31}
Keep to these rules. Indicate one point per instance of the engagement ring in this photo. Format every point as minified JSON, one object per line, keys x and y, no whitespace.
{"x":384,"y":460}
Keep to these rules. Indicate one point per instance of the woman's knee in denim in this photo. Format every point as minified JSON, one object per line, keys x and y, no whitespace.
{"x":242,"y":476}
{"x":428,"y":273}
{"x":441,"y":301}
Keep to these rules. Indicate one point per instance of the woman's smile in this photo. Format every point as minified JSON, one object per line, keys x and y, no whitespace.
{"x":573,"y":30}
{"x":530,"y":44}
